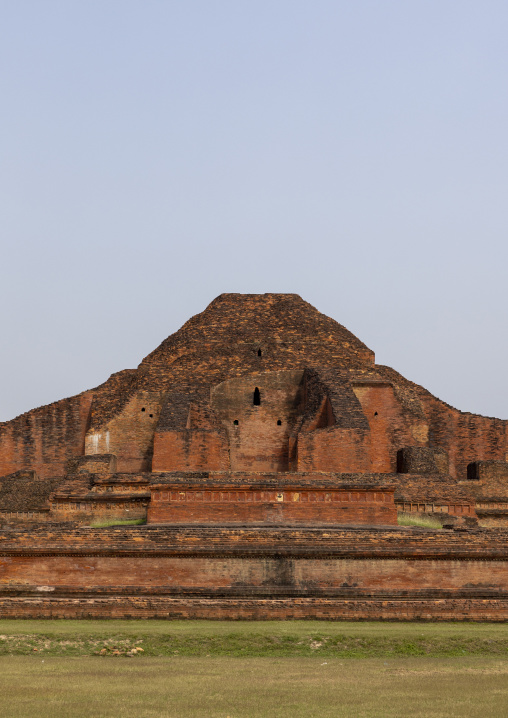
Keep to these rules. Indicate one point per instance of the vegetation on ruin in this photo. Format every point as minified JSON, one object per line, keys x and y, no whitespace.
{"x":426,"y":522}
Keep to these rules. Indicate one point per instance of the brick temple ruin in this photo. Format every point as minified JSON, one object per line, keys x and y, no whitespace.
{"x":270,"y":458}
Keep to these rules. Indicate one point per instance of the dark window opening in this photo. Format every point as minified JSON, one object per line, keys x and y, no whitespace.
{"x":143,"y":409}
{"x":473,"y":473}
{"x":279,"y":422}
{"x":259,"y":352}
{"x":151,"y":416}
{"x":235,"y":422}
{"x":257,"y":397}
{"x":375,"y":413}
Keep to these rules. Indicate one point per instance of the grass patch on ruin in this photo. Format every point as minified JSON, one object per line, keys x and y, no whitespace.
{"x":426,"y":522}
{"x":140,"y":639}
{"x":117,"y":522}
{"x":185,"y":687}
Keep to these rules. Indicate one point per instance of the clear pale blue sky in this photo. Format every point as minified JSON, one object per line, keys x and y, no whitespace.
{"x":154,"y":154}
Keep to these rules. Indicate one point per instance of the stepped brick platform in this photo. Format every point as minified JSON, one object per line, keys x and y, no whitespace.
{"x":255,"y":572}
{"x":270,"y":457}
{"x":272,"y":498}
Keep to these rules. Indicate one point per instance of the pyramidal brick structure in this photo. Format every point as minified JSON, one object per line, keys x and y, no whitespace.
{"x":270,"y":457}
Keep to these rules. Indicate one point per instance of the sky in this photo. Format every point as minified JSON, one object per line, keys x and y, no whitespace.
{"x":154,"y":154}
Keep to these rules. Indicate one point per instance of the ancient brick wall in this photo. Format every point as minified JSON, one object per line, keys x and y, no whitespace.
{"x":111,"y":508}
{"x":465,"y":437}
{"x":190,"y":450}
{"x":334,"y":449}
{"x":259,"y":412}
{"x":492,"y":478}
{"x":488,"y":480}
{"x":23,"y":517}
{"x":236,"y":335}
{"x":261,"y":574}
{"x":84,"y":497}
{"x":433,"y":488}
{"x":323,"y":406}
{"x":422,"y":460}
{"x":492,"y":515}
{"x":23,"y":492}
{"x":250,"y":505}
{"x":361,"y":542}
{"x":100,"y":465}
{"x":242,"y":337}
{"x":391,"y":426}
{"x":254,"y":573}
{"x":458,"y":608}
{"x":130,"y":434}
{"x":44,"y":439}
{"x":430,"y":507}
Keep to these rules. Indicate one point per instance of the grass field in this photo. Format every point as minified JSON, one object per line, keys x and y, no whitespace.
{"x":252,"y":669}
{"x":186,"y":687}
{"x":409,"y":519}
{"x":252,"y":638}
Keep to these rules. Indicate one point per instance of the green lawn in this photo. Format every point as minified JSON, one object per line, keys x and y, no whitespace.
{"x":252,"y":638}
{"x":250,"y":669}
{"x":217,"y":687}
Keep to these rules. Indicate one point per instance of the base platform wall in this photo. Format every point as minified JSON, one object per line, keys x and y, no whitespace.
{"x":247,"y":575}
{"x":351,"y":609}
{"x":248,"y":505}
{"x":253,"y":573}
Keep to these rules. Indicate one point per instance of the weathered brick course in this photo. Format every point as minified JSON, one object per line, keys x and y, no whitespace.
{"x":254,"y":433}
{"x":254,"y":573}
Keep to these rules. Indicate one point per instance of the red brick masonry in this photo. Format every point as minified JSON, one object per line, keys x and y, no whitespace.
{"x":193,"y":504}
{"x":270,"y":572}
{"x":250,"y":439}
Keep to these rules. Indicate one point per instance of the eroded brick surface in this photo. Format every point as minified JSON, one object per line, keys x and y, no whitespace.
{"x":260,"y":413}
